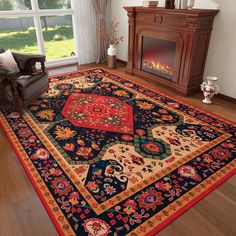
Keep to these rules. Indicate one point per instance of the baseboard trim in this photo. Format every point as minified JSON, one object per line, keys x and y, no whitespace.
{"x":122,"y":62}
{"x":227,"y":98}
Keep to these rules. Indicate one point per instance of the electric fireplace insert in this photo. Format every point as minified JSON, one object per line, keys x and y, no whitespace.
{"x":158,"y":57}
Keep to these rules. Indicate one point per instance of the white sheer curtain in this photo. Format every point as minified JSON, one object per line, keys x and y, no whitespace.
{"x":86,"y":23}
{"x":86,"y":26}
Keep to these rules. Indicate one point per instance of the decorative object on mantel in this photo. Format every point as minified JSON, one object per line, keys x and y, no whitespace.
{"x":147,"y":3}
{"x":181,"y":4}
{"x":191,"y":4}
{"x":210,"y":88}
{"x":113,"y":40}
{"x":170,"y":4}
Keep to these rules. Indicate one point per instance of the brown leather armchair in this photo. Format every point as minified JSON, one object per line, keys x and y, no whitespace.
{"x":23,"y":87}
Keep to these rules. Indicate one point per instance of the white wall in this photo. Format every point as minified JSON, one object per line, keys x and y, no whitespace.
{"x":221,"y":60}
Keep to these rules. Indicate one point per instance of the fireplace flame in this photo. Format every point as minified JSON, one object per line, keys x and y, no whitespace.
{"x":157,"y":65}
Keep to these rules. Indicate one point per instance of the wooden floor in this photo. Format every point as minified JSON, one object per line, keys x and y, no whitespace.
{"x":22,"y":213}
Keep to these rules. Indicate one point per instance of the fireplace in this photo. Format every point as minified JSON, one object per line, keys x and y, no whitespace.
{"x":158,"y":57}
{"x":169,"y":47}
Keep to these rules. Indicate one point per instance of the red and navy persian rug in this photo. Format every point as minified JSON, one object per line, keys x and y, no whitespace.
{"x":108,"y":156}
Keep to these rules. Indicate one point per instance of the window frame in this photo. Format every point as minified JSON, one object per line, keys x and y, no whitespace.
{"x":36,"y":13}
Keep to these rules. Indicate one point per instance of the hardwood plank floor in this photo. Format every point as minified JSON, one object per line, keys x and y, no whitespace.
{"x":22,"y":213}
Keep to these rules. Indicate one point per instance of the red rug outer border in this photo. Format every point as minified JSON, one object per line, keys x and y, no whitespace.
{"x":52,"y":217}
{"x":184,"y":209}
{"x":161,"y":226}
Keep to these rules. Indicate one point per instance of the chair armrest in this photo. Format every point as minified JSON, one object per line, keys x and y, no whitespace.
{"x":26,"y":62}
{"x":7,"y":74}
{"x":12,"y":75}
{"x":3,"y":72}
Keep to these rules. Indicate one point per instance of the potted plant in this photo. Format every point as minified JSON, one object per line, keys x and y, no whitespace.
{"x":112,"y":40}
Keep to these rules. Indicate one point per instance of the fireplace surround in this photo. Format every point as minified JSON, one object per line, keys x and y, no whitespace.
{"x":169,"y":46}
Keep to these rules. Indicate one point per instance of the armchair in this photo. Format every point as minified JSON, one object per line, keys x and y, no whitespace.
{"x":23,"y":87}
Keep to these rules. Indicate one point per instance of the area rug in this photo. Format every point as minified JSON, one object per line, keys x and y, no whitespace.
{"x":109,"y":156}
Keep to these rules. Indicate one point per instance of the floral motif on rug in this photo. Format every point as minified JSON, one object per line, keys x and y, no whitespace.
{"x":108,"y":156}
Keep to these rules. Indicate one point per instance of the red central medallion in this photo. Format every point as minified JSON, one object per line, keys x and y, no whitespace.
{"x":99,"y":112}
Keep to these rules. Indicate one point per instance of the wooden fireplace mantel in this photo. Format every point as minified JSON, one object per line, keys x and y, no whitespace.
{"x":190,"y":29}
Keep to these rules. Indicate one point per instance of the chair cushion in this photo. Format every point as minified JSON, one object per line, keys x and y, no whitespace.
{"x":8,"y":62}
{"x":31,"y":84}
{"x":25,"y":80}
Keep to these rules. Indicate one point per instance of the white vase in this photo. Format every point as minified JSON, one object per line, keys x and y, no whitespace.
{"x":209,"y":88}
{"x":181,"y":4}
{"x":145,"y":3}
{"x":191,"y":4}
{"x":111,"y":51}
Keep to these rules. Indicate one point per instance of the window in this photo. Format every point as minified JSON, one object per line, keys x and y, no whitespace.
{"x":54,"y":4}
{"x":39,"y":26}
{"x":18,"y":34}
{"x":58,"y":34}
{"x":7,"y":5}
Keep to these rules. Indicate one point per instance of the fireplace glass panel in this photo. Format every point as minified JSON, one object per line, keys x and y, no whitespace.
{"x":158,"y":57}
